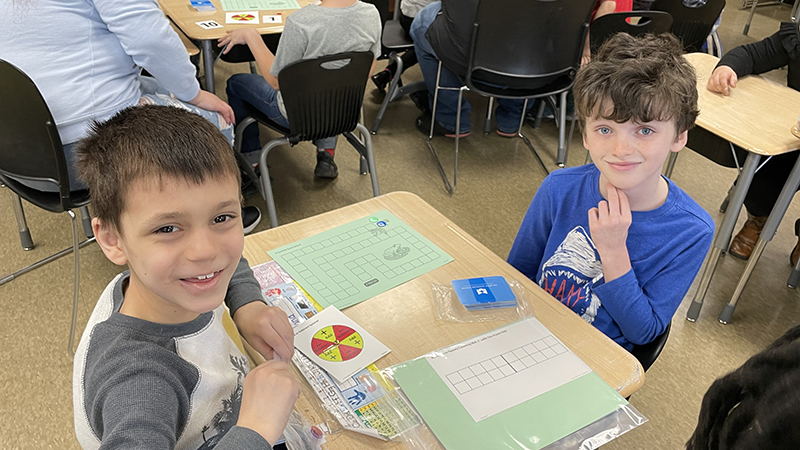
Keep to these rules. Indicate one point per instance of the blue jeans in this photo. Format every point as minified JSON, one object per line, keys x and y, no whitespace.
{"x":508,"y":113}
{"x":152,"y":94}
{"x":255,"y":90}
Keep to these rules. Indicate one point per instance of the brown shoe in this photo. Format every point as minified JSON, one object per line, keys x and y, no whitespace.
{"x":796,"y":251}
{"x":745,"y":240}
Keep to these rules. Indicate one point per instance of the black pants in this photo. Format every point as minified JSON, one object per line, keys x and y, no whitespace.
{"x":409,"y":57}
{"x":767,"y":184}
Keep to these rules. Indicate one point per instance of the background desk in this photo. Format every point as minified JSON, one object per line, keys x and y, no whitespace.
{"x":186,"y":18}
{"x":757,"y":116}
{"x":403,"y":317}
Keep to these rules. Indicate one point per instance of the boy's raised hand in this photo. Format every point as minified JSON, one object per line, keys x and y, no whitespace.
{"x":721,"y":80}
{"x":267,"y":329}
{"x":608,"y":225}
{"x":268,"y":395}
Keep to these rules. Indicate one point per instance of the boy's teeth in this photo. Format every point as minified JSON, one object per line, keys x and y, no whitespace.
{"x":203,"y":277}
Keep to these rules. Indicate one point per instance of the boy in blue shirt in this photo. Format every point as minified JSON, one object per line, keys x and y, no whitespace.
{"x":155,"y":368}
{"x":615,"y":241}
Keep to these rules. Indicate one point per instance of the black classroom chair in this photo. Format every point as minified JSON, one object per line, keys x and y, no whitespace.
{"x":395,"y":39}
{"x":31,"y":149}
{"x":692,"y":25}
{"x":635,"y":23}
{"x":648,"y":353}
{"x":533,"y":53}
{"x":320,"y":101}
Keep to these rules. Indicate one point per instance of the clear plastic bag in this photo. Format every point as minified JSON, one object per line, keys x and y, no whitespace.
{"x":301,"y":435}
{"x":447,"y":306}
{"x":516,"y":426}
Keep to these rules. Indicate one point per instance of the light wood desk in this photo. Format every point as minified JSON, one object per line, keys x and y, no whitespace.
{"x":403,"y":318}
{"x":758,"y":116}
{"x":186,"y":18}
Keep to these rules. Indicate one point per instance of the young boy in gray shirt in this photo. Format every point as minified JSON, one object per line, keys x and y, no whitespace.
{"x":333,"y":26}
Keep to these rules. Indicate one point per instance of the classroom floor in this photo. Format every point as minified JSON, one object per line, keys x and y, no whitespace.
{"x":497,"y":179}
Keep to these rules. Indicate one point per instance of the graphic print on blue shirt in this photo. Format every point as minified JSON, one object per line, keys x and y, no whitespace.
{"x":572,"y":271}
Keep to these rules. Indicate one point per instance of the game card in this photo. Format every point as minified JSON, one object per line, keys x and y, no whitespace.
{"x":337,"y":344}
{"x":272,"y":19}
{"x":208,"y":24}
{"x":247,"y":17}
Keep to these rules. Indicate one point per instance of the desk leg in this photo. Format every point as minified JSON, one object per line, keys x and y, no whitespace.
{"x":208,"y":64}
{"x":723,"y":237}
{"x":775,"y":217}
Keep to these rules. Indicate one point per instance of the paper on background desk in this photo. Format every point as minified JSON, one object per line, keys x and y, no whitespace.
{"x":359,"y":260}
{"x":259,"y":5}
{"x":516,"y":384}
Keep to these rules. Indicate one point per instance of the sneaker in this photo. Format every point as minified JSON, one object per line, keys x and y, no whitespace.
{"x":382,"y":79}
{"x":251,"y":216}
{"x":326,"y":167}
{"x":424,"y":126}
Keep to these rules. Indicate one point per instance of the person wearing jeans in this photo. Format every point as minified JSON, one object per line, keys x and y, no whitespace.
{"x":437,"y":33}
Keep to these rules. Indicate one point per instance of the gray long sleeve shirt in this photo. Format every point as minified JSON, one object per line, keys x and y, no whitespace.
{"x":143,"y":385}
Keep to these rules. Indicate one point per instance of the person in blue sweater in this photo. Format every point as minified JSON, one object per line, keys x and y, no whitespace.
{"x":615,"y":241}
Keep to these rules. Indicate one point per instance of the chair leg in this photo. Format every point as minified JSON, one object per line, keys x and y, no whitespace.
{"x":539,"y":113}
{"x":266,"y":189}
{"x":447,"y":185}
{"x":526,"y":140}
{"x":487,"y":124}
{"x":253,"y":68}
{"x":237,"y":152}
{"x":458,"y":134}
{"x":390,"y":94}
{"x":86,"y":220}
{"x":370,"y":157}
{"x":24,"y":232}
{"x":750,"y":18}
{"x":670,"y":164}
{"x":76,"y":287}
{"x":561,"y":157}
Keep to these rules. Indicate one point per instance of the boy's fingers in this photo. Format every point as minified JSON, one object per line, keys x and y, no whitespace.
{"x":602,"y":210}
{"x":624,"y":205}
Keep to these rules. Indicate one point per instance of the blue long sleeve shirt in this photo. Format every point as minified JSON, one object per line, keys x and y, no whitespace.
{"x":666,"y":246}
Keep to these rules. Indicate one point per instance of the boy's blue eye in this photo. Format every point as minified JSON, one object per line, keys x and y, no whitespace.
{"x":604,"y":130}
{"x":646,"y":131}
{"x":166,"y":229}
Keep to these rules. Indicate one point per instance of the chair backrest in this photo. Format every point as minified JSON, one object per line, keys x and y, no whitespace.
{"x":648,"y":353}
{"x":655,"y":22}
{"x":323,"y":96}
{"x":691,"y":25}
{"x":526,"y":44}
{"x":30,"y":147}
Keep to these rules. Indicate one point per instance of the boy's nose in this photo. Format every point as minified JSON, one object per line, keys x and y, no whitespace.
{"x":202,"y":247}
{"x":622,"y":148}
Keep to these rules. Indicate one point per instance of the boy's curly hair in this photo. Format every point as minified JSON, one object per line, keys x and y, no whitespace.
{"x":641,"y":78}
{"x":149,"y":143}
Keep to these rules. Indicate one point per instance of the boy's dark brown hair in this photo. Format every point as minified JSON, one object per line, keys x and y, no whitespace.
{"x":149,"y":143}
{"x":638,"y":78}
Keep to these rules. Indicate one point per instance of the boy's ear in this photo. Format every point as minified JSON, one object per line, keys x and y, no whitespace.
{"x":109,"y":240}
{"x":680,"y":141}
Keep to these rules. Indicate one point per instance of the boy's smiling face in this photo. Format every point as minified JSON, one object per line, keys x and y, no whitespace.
{"x":630,"y":155}
{"x":182,"y":242}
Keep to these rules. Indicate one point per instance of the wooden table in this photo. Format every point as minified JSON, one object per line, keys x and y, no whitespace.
{"x":758,"y":116}
{"x":403,"y":318}
{"x":186,"y":18}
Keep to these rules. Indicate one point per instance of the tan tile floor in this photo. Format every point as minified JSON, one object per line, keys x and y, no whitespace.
{"x":498,"y":177}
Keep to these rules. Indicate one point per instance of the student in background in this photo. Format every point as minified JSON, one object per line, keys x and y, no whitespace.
{"x":335,"y":26}
{"x":615,"y":241}
{"x":408,"y":9}
{"x":757,"y":406}
{"x":155,"y":368}
{"x":779,"y":50}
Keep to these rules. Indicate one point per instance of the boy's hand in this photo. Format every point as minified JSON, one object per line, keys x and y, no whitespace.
{"x":608,"y":225}
{"x":210,"y":102}
{"x":721,"y":79}
{"x":268,"y":395}
{"x":267,"y":329}
{"x":237,"y":37}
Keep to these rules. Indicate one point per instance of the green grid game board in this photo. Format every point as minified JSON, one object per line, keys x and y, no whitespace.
{"x":359,"y":260}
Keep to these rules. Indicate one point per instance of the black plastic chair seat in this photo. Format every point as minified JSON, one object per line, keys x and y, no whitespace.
{"x":549,"y":86}
{"x":648,"y":353}
{"x":395,"y":37}
{"x":253,"y":112}
{"x":604,"y":27}
{"x":49,"y":201}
